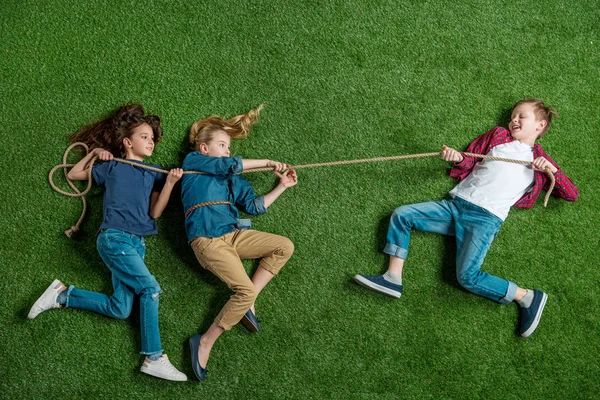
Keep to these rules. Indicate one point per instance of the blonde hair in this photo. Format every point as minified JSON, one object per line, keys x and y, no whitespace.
{"x":542,"y":112}
{"x":238,"y":127}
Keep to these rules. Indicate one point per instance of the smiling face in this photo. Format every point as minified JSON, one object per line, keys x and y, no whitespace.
{"x":141,"y":142}
{"x":219,"y":146}
{"x":524,"y":125}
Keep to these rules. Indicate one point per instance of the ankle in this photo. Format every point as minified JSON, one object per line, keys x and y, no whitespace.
{"x":62,"y":297}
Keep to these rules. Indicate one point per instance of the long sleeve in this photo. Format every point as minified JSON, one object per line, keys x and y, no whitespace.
{"x":220,"y":166}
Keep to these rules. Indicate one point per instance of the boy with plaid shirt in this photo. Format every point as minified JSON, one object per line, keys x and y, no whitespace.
{"x":479,"y":205}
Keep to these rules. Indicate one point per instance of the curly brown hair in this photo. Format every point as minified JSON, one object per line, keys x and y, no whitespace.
{"x":109,"y":132}
{"x":238,"y":127}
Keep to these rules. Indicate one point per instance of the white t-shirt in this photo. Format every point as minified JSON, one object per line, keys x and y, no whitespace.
{"x":497,"y":185}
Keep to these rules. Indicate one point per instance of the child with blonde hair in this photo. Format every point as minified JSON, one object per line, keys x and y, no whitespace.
{"x":217,"y":235}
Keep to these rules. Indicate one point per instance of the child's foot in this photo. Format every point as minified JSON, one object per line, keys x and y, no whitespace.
{"x":197,"y":356}
{"x":379,"y":284}
{"x":162,"y":368}
{"x":47,"y":301}
{"x":530,"y":316}
{"x":250,"y":321}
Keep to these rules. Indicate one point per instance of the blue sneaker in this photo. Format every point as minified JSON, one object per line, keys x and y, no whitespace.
{"x":530,"y":316}
{"x":379,"y":284}
{"x":250,"y":321}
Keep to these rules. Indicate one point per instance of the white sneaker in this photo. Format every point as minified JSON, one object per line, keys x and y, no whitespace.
{"x":47,"y":300}
{"x":162,"y":368}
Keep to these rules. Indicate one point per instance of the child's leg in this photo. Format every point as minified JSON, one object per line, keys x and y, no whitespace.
{"x":124,"y":254}
{"x":220,"y":257}
{"x":434,"y":216}
{"x":475,"y":230}
{"x":274,"y":251}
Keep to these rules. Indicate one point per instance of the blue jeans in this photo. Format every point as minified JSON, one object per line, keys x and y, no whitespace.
{"x":123,"y":253}
{"x":474,"y":228}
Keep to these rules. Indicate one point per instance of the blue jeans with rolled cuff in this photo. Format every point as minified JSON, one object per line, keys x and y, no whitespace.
{"x":123,"y":253}
{"x":474,"y":228}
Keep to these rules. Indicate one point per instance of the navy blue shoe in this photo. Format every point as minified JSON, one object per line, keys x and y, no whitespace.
{"x":250,"y":321}
{"x":198,"y":370}
{"x":378,"y":284}
{"x":530,"y":316}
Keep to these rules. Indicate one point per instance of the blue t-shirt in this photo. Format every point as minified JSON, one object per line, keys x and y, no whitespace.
{"x":221,"y":183}
{"x":127,"y":196}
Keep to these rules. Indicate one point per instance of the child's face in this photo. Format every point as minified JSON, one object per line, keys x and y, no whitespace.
{"x":218,"y":147}
{"x":141,"y":142}
{"x":524,"y":125}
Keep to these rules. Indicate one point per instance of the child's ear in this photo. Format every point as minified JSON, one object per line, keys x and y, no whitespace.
{"x":542,"y":124}
{"x":127,"y":143}
{"x":203,"y":148}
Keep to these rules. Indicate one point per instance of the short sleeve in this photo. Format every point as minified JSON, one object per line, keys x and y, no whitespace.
{"x":101,"y":171}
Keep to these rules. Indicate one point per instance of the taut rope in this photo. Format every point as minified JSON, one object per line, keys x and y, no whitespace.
{"x":81,"y":194}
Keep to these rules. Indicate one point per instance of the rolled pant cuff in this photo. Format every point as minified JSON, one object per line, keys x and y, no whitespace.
{"x":396,"y":251}
{"x":264,"y":265}
{"x":509,"y":297}
{"x":151,"y":353}
{"x":69,"y":290}
{"x":225,"y":327}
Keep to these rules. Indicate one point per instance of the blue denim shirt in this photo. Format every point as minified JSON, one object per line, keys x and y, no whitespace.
{"x":220,"y":182}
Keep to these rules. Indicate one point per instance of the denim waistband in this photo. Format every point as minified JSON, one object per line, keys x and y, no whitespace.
{"x":123,"y":233}
{"x":466,"y":204}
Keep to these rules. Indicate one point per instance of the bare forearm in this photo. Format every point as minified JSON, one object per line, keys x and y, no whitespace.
{"x":80,"y":171}
{"x":251,"y":164}
{"x":273,"y":195}
{"x":158,"y":206}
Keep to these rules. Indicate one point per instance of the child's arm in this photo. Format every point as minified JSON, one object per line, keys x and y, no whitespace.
{"x":218,"y":166}
{"x":481,"y":145}
{"x":80,"y":171}
{"x":158,"y":201}
{"x":245,"y":198}
{"x":251,"y":164}
{"x":564,"y":187}
{"x":286,"y":180}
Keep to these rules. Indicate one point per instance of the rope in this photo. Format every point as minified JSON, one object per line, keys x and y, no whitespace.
{"x":208,"y":203}
{"x":422,"y":155}
{"x":69,"y":232}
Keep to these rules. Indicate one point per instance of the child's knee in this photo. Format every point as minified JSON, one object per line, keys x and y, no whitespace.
{"x":467,"y":281}
{"x":151,"y":291}
{"x":247,"y":293}
{"x":399,"y":216}
{"x":121,"y":310}
{"x":286,"y":248}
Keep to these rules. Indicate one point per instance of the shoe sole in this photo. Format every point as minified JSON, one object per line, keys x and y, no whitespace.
{"x":249,"y":325}
{"x":537,"y":318}
{"x":162,"y":376}
{"x":378,"y":288}
{"x":34,"y":312}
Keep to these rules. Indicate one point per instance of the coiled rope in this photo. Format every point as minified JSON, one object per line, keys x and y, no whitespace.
{"x":77,"y":193}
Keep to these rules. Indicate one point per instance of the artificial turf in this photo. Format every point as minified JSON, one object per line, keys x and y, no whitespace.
{"x":340,"y":80}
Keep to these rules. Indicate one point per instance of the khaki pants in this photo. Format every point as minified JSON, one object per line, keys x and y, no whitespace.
{"x":222,"y":256}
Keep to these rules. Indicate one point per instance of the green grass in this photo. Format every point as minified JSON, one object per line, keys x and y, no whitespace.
{"x":341,"y":80}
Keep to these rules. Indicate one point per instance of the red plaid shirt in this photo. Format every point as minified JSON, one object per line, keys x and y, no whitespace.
{"x":563,"y":188}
